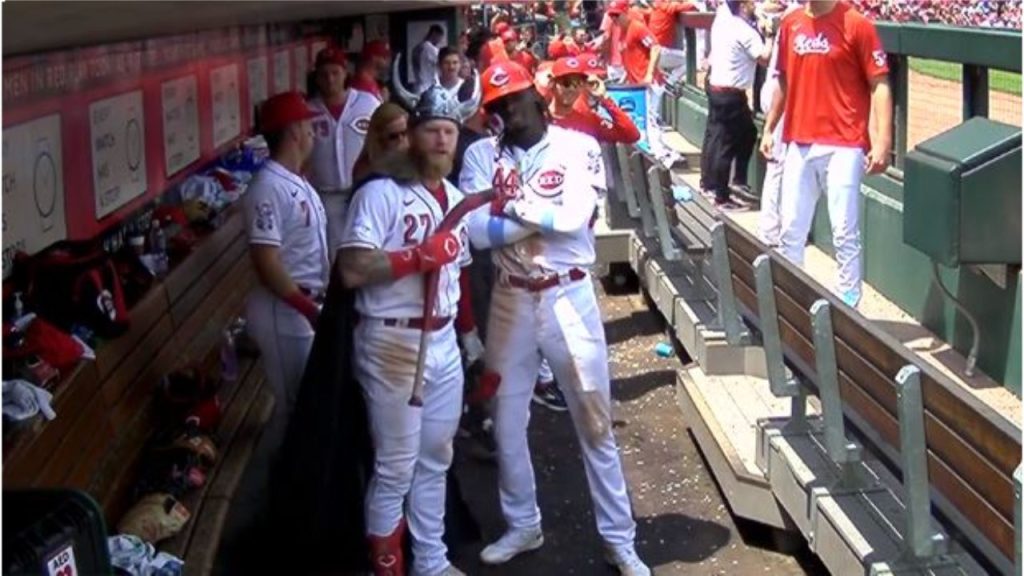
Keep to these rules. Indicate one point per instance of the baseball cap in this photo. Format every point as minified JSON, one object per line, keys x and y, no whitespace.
{"x":331,"y":55}
{"x":568,"y":66}
{"x":283,"y":109}
{"x":510,"y":35}
{"x":502,"y":79}
{"x":501,"y":27}
{"x":617,"y":7}
{"x":592,"y":64}
{"x":557,"y":49}
{"x":376,"y":48}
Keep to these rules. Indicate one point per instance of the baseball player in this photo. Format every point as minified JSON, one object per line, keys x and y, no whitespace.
{"x":287,"y":231}
{"x":340,"y":130}
{"x":769,"y":223}
{"x":575,"y":86}
{"x":833,"y":86}
{"x":389,"y":241}
{"x":544,"y":304}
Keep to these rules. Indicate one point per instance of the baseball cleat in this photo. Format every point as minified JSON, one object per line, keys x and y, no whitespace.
{"x":514,"y":542}
{"x":550,"y":395}
{"x":626,"y":560}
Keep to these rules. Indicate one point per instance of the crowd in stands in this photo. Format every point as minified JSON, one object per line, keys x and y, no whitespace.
{"x":968,"y":13}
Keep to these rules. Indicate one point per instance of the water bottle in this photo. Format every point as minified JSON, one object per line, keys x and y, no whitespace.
{"x":228,"y":358}
{"x":157,"y":239}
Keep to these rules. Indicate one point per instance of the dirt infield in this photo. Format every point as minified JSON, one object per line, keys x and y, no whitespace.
{"x":936,"y":105}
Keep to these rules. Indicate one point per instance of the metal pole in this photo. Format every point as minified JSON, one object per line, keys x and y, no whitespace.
{"x":842,"y":452}
{"x":728,"y":316}
{"x":781,"y":385}
{"x":920,"y":540}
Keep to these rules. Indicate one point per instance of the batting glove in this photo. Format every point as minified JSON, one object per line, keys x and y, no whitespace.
{"x":472,"y":346}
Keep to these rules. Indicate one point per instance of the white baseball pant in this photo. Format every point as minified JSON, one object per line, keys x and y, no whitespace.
{"x":564,"y":324}
{"x":412,"y":446}
{"x":285,"y":340}
{"x":336,"y":206}
{"x":770,"y":219}
{"x":807,"y":172}
{"x":673,"y":63}
{"x":654,"y":94}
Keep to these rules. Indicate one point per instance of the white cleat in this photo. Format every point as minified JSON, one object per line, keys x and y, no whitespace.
{"x":512,"y":543}
{"x":626,"y":560}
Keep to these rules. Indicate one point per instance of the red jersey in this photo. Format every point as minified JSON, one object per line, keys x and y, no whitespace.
{"x":366,"y":83}
{"x":527,"y":60}
{"x":827,"y":63}
{"x":663,"y":20}
{"x":636,"y":54}
{"x":582,"y":118}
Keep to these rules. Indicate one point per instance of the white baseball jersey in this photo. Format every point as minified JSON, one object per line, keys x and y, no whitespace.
{"x":339,"y":142}
{"x":388,"y":215}
{"x":426,"y":65}
{"x":283,"y":210}
{"x":558,"y":182}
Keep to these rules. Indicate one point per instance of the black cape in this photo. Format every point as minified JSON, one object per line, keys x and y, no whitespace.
{"x":320,"y":480}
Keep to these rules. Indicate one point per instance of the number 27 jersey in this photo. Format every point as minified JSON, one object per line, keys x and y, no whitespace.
{"x":389,"y":215}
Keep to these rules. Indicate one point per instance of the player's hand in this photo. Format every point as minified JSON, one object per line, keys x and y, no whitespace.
{"x":767,"y":146}
{"x":437,"y":250}
{"x":472,"y":346}
{"x":596,"y":87}
{"x":877,"y":160}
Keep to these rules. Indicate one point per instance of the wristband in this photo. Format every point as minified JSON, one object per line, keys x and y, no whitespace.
{"x":304,"y":305}
{"x":404,"y":263}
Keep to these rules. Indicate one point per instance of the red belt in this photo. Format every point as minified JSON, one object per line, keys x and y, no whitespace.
{"x":434,"y":325}
{"x":727,"y":89}
{"x":544,"y":282}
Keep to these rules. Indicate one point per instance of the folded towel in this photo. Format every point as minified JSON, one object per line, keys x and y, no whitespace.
{"x":23,"y":400}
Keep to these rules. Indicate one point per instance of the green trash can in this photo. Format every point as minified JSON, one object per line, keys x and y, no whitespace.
{"x":53,"y":532}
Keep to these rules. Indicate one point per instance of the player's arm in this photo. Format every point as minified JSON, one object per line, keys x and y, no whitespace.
{"x":263,"y":226}
{"x":880,"y":124}
{"x":653,"y":64}
{"x":579,"y":200}
{"x":362,"y":259}
{"x":486,"y":229}
{"x":623,"y":129}
{"x":774,"y":115}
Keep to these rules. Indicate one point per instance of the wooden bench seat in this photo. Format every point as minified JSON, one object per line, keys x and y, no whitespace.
{"x":106,"y":409}
{"x":972,"y":451}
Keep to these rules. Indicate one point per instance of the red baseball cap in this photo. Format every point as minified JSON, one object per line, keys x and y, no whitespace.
{"x":377,"y":48}
{"x":592,"y":64}
{"x":331,"y":56}
{"x":568,"y":66}
{"x":279,"y":111}
{"x":510,"y":35}
{"x":501,"y":27}
{"x":617,"y":7}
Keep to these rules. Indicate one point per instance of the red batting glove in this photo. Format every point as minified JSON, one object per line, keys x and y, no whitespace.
{"x":305,"y":305}
{"x":436,"y":251}
{"x":486,"y":387}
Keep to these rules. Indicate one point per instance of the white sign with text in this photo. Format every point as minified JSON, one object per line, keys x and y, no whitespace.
{"x":181,"y":123}
{"x":227,"y":123}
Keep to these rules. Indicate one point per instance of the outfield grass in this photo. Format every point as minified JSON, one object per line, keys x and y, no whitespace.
{"x":998,"y":80}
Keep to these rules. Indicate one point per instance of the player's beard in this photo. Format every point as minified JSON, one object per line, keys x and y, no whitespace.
{"x":432,"y":165}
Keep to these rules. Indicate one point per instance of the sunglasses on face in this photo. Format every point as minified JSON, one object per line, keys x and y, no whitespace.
{"x":396,"y":136}
{"x":571,"y":81}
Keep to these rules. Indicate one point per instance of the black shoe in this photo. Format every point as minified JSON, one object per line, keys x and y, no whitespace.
{"x":729,"y":206}
{"x":548,"y":394}
{"x":744,"y":192}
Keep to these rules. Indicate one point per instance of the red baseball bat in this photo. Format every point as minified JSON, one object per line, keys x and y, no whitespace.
{"x":467,"y":205}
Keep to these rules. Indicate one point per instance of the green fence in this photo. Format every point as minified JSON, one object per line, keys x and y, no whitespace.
{"x":980,"y":59}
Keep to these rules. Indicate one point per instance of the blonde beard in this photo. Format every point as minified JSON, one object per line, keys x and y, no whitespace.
{"x":407,"y":166}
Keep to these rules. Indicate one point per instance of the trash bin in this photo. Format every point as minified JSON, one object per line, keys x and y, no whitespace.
{"x":53,"y":533}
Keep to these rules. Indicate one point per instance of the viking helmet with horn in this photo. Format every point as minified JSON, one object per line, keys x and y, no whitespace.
{"x":435,"y":102}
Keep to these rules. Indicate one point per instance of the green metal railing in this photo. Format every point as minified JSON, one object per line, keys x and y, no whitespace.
{"x":977,"y":50}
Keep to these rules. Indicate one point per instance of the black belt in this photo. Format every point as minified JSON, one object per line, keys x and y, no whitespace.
{"x":544,"y":282}
{"x":433,"y":325}
{"x":727,"y":89}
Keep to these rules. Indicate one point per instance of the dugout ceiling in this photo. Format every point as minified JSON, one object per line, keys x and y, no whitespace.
{"x":36,"y":26}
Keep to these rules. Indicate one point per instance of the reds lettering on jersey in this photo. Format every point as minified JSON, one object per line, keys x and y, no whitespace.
{"x":339,"y":142}
{"x":386,"y":215}
{"x":563,"y":170}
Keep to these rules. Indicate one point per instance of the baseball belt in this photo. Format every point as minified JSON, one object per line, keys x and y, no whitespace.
{"x":541,"y":283}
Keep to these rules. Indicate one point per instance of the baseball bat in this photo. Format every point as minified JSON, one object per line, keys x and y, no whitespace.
{"x":457,"y":213}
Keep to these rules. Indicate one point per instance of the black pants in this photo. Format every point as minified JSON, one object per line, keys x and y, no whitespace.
{"x":730,"y":138}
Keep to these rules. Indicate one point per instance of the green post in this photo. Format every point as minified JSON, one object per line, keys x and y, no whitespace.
{"x":691,"y":55}
{"x":975,"y":89}
{"x":898,"y":67}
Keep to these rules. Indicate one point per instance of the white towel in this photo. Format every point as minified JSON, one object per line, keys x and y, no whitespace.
{"x":23,"y":400}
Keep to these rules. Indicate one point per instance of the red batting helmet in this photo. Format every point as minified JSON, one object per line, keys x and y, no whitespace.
{"x":502,"y":79}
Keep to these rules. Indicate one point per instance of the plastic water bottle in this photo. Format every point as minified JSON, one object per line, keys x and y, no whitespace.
{"x":228,"y":358}
{"x":158,"y":247}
